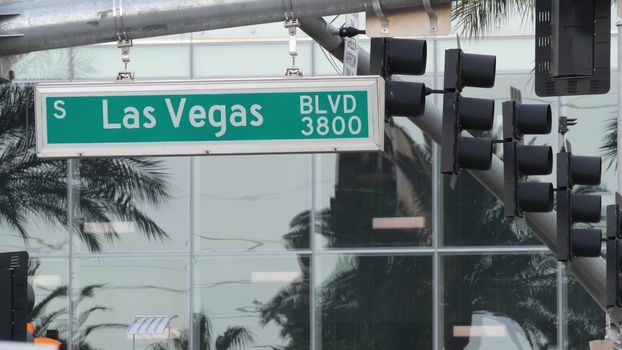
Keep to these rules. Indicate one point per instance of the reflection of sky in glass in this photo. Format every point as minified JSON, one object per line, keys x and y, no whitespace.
{"x":516,"y":292}
{"x":132,"y":287}
{"x":173,"y":216}
{"x":50,"y":276}
{"x":248,"y":202}
{"x":504,"y":332}
{"x":233,"y":290}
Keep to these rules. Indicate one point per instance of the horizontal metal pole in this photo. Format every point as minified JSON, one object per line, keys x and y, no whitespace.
{"x":50,"y":24}
{"x":590,"y":272}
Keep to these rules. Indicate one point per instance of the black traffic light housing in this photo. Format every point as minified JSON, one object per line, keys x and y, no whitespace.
{"x":614,"y":254}
{"x":464,"y":113}
{"x":521,"y":161}
{"x":574,"y":208}
{"x":390,"y":56}
{"x":572,"y":47}
{"x":14,"y":301}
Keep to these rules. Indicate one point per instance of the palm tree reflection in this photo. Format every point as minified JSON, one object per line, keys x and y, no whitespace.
{"x":384,"y":302}
{"x":111,"y":189}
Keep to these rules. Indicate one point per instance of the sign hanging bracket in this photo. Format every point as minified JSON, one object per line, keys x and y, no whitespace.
{"x":384,"y":20}
{"x":431,"y":15}
{"x":124,"y":43}
{"x":292,"y":26}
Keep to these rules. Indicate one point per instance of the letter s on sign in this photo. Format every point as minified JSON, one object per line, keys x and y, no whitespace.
{"x":58,"y":105}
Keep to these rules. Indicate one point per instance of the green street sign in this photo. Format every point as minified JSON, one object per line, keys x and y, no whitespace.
{"x":300,"y":115}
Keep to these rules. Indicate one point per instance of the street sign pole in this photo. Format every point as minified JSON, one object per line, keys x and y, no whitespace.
{"x":306,"y":115}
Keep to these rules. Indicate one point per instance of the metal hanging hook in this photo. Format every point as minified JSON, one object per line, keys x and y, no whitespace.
{"x":431,"y":15}
{"x":124,"y":44}
{"x":384,"y":20}
{"x":123,"y":40}
{"x":292,"y":25}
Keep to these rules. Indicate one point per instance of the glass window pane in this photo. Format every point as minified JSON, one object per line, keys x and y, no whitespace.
{"x":48,"y":278}
{"x":266,"y":298}
{"x":43,"y":65}
{"x":120,"y":289}
{"x":375,"y":302}
{"x":585,"y":319}
{"x":473,"y":216}
{"x":499,"y":302}
{"x":135,"y":205}
{"x":253,"y":202}
{"x":33,"y":191}
{"x":147,"y":61}
{"x":377,"y":199}
{"x":43,"y":236}
{"x":248,"y":60}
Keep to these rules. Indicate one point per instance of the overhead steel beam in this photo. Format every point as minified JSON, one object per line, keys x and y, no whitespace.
{"x":589,"y":271}
{"x":50,"y":24}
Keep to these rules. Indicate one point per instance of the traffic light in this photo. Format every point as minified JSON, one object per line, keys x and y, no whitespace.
{"x":614,"y":255}
{"x":576,"y":208}
{"x":520,"y":160}
{"x":573,"y":47}
{"x":14,"y":304}
{"x":391,"y":56}
{"x":464,"y":113}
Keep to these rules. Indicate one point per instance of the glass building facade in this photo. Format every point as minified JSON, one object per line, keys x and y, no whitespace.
{"x":304,"y":251}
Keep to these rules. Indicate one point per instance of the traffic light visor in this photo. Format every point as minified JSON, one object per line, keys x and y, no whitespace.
{"x":474,"y":153}
{"x":476,"y":113}
{"x":405,"y":98}
{"x":585,"y":170}
{"x":586,"y":242}
{"x":585,"y":207}
{"x":535,"y":197}
{"x":478,"y":70}
{"x":534,"y":160}
{"x":406,"y":56}
{"x":533,"y":119}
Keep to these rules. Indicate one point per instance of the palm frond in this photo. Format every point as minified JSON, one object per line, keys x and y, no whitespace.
{"x":84,"y":315}
{"x":85,"y":331}
{"x":609,"y":146}
{"x":234,"y":338}
{"x":46,"y":320}
{"x":110,"y":189}
{"x":36,"y":310}
{"x":473,"y":17}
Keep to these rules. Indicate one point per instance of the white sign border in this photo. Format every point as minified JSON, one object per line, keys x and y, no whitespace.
{"x":374,"y":86}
